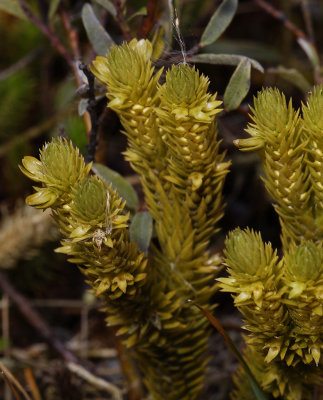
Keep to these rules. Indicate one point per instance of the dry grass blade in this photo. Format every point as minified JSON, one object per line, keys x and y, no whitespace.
{"x":100,"y":383}
{"x":32,"y":384}
{"x":13,"y":383}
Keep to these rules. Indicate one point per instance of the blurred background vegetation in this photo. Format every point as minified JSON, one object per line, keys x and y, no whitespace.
{"x":43,"y":93}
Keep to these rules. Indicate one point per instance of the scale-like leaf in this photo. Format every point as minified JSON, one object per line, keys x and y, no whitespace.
{"x":219,"y":22}
{"x":12,"y":7}
{"x":141,"y":229}
{"x":238,"y":85}
{"x":97,"y":35}
{"x":224,"y":59}
{"x":126,"y":191}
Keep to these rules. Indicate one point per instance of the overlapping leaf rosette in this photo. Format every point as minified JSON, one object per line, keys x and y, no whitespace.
{"x":283,"y":310}
{"x":147,"y":296}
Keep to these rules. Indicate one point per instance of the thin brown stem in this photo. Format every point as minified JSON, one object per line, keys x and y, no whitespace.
{"x":48,"y":32}
{"x":36,"y":320}
{"x":73,"y":40}
{"x":95,"y":108}
{"x":122,"y":22}
{"x":278,"y":14}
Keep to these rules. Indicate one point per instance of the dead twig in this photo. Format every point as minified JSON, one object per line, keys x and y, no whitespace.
{"x":31,"y":381}
{"x":73,"y":40}
{"x":13,"y":383}
{"x":73,"y":362}
{"x":94,"y":108}
{"x":100,"y":383}
{"x":48,"y":32}
{"x":36,"y":320}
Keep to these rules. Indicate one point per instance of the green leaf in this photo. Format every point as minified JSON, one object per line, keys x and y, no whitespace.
{"x":238,"y":85}
{"x":259,"y":394}
{"x":12,"y":7}
{"x":219,"y":22}
{"x":108,"y":6}
{"x":53,"y":8}
{"x":293,"y":76}
{"x":126,"y":191}
{"x":166,"y":21}
{"x":97,"y":35}
{"x":158,"y":43}
{"x":141,"y":11}
{"x":310,"y":51}
{"x":224,"y":59}
{"x":141,"y":230}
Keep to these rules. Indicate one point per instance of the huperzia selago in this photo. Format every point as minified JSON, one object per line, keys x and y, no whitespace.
{"x":173,"y":146}
{"x":282,"y":299}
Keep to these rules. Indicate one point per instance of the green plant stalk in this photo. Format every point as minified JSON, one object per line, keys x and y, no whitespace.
{"x":146,"y":296}
{"x":282,"y":300}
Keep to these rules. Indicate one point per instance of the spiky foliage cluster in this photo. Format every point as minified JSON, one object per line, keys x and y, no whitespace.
{"x":172,"y":144}
{"x":282,"y":300}
{"x":90,"y":216}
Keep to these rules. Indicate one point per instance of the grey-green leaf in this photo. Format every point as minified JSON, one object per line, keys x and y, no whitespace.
{"x":310,"y":51}
{"x":238,"y":85}
{"x":219,"y":22}
{"x":97,"y":35}
{"x":108,"y":6}
{"x":141,"y":229}
{"x":53,"y":8}
{"x":293,"y":76}
{"x":224,"y":59}
{"x":126,"y":191}
{"x":12,"y":7}
{"x":166,"y":21}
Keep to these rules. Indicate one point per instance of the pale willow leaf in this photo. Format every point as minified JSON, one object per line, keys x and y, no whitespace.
{"x":238,"y":86}
{"x":225,"y":59}
{"x":107,"y":4}
{"x":293,"y":76}
{"x":54,"y":4}
{"x":12,"y":7}
{"x":310,"y":51}
{"x":219,"y":22}
{"x":166,"y":21}
{"x":141,"y":230}
{"x":125,"y":190}
{"x":97,"y":35}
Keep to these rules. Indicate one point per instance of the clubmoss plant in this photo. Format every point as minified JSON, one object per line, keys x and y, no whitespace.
{"x":173,"y":146}
{"x":282,"y":299}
